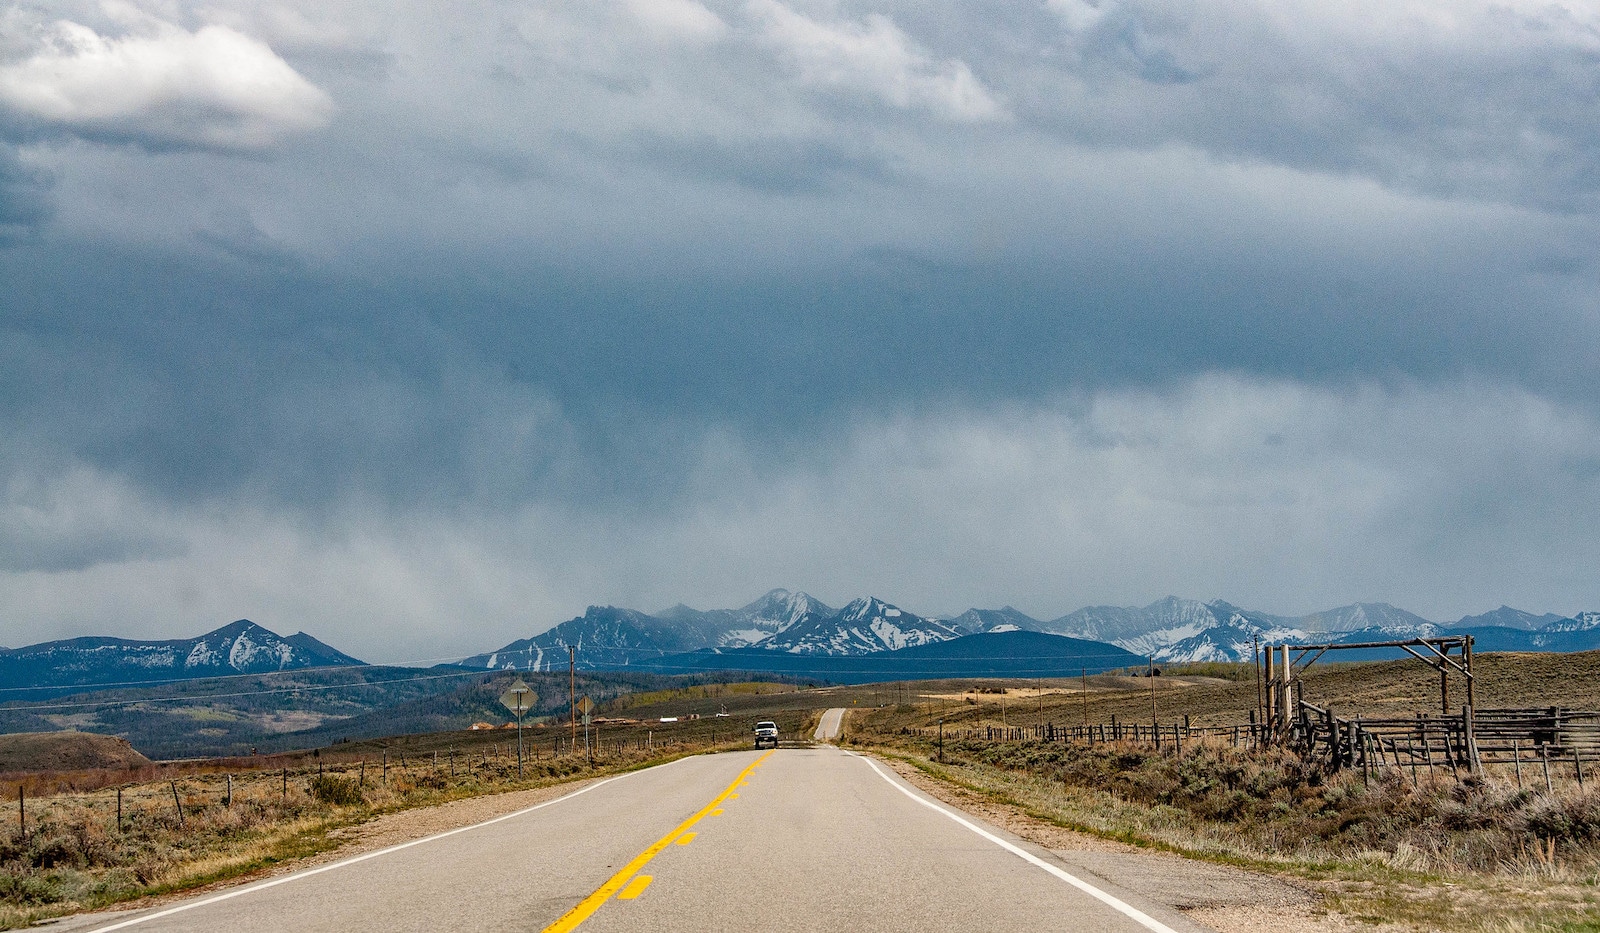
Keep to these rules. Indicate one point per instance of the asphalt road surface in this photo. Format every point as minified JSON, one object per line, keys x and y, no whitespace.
{"x":828,"y":728}
{"x":790,"y":839}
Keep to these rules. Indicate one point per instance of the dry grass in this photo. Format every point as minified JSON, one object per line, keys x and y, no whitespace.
{"x":1212,"y":695}
{"x":1469,"y":856}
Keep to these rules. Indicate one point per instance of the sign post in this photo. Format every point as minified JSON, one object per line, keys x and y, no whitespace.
{"x":519,"y":698}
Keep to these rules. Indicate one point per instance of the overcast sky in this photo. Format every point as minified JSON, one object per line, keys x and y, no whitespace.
{"x":422,"y":326}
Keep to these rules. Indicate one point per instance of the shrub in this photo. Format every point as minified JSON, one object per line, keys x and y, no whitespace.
{"x":342,"y":792}
{"x":1574,"y":816}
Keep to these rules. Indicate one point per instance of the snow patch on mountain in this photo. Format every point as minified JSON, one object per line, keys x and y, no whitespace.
{"x":1582,"y":622}
{"x":866,"y":625}
{"x":240,"y":647}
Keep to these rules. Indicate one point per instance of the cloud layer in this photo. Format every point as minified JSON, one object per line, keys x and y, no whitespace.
{"x":471,"y":314}
{"x":1445,"y":500}
{"x":162,"y":87}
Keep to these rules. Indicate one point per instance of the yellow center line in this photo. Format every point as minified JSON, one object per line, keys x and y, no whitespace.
{"x":635,"y":887}
{"x":586,"y":907}
{"x":686,"y":838}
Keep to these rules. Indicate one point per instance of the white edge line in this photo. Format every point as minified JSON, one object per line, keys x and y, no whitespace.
{"x":307,"y":873}
{"x":1104,"y":897}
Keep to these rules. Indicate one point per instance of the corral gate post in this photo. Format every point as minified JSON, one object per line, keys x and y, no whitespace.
{"x":1286,"y":691}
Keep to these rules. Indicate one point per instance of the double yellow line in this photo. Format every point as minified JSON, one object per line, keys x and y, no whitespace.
{"x":620,"y":880}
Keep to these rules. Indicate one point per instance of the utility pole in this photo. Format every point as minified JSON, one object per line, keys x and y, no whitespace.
{"x":1152,"y":675}
{"x":572,"y":689}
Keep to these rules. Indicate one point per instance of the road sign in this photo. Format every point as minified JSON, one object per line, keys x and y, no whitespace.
{"x":585,"y":706}
{"x":519,"y":697}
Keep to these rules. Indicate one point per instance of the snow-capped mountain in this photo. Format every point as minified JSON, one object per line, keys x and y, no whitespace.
{"x":866,"y":625}
{"x":1162,"y":624}
{"x":1004,"y":619}
{"x":1174,"y":630}
{"x":1229,"y":640}
{"x":1582,"y":622}
{"x":1359,"y":617}
{"x":774,"y":612}
{"x":604,"y":636}
{"x":241,"y":647}
{"x":1170,"y":630}
{"x":1177,"y":630}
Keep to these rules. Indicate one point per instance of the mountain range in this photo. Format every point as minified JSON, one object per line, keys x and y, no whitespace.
{"x":1170,"y":630}
{"x":242,"y":647}
{"x":1010,"y":653}
{"x":792,"y":624}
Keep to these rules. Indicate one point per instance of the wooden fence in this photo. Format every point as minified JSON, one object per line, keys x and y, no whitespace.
{"x":1532,"y":737}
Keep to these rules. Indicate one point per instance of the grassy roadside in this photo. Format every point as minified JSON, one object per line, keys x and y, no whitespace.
{"x":75,"y":857}
{"x":1433,"y":859}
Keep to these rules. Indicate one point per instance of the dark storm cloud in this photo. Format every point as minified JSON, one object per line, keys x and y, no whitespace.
{"x":490,"y":311}
{"x":24,"y":202}
{"x":776,"y":166}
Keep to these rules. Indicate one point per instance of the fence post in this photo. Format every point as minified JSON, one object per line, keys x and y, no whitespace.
{"x":285,"y":783}
{"x":1516,"y":760}
{"x":1577,"y":765}
{"x":119,"y":809}
{"x":228,"y":801}
{"x":1544,"y":757}
{"x":22,"y":813}
{"x":176,"y":802}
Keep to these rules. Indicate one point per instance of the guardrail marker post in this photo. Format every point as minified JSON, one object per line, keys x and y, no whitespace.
{"x":228,"y":801}
{"x":119,"y":809}
{"x":1516,"y":759}
{"x":22,"y":813}
{"x":176,"y":802}
{"x":1577,"y":765}
{"x":1544,"y":757}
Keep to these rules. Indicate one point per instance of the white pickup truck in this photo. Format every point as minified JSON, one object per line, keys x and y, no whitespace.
{"x":766,"y":734}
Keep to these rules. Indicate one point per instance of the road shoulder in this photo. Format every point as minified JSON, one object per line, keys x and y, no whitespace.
{"x":1222,"y":897}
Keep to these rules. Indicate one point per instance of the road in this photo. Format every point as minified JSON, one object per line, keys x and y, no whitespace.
{"x":828,"y":727}
{"x":791,"y":839}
